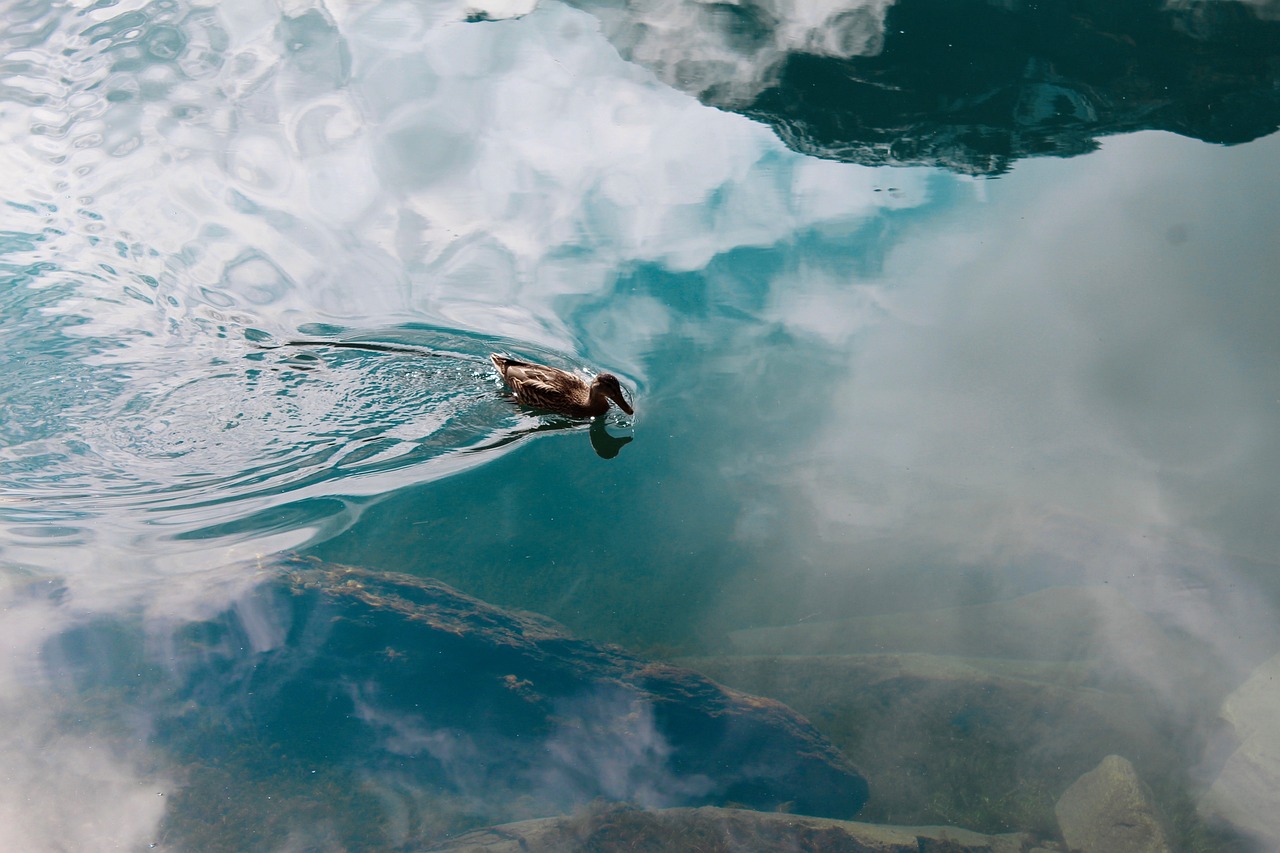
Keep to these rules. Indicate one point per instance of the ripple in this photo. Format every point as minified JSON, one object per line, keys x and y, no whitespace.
{"x":140,"y":406}
{"x":226,"y":435}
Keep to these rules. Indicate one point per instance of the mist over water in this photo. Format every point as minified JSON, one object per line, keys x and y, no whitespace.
{"x":894,"y":426}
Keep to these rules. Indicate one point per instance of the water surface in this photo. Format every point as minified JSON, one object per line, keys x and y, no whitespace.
{"x":956,"y":391}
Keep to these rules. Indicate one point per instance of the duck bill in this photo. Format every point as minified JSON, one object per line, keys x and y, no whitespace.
{"x":623,"y":404}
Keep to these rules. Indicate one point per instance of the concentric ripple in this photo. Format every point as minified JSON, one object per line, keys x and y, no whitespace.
{"x":220,"y":434}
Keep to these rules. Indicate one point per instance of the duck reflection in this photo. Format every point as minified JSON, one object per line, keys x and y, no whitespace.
{"x":605,"y":445}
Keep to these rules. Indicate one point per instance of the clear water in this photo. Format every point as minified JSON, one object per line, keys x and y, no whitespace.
{"x":970,"y":459}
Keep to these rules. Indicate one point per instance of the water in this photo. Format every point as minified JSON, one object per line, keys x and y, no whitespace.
{"x":951,"y":339}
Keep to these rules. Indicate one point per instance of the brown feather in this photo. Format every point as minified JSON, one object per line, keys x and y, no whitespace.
{"x":559,"y":390}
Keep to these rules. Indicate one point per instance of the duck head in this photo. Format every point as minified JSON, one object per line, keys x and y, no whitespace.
{"x":609,"y":385}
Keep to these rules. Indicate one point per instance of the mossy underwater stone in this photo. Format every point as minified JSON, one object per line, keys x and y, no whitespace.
{"x":1110,"y":810}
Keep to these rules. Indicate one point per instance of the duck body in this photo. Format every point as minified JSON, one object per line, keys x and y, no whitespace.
{"x":559,"y":390}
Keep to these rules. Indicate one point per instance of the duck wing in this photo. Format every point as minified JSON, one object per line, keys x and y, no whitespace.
{"x":540,"y":385}
{"x":535,"y":384}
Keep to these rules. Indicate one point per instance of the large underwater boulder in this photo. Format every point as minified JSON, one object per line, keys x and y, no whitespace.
{"x":346,"y":691}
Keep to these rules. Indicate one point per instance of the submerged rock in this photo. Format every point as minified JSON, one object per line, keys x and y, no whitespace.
{"x":717,"y":830}
{"x":1246,"y":792}
{"x":373,"y":703}
{"x":1110,"y":810}
{"x":975,"y":741}
{"x":944,"y":706}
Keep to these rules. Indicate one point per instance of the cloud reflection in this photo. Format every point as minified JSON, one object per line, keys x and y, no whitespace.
{"x":276,"y":170}
{"x":1052,"y":385}
{"x":67,"y":783}
{"x":1013,"y":388}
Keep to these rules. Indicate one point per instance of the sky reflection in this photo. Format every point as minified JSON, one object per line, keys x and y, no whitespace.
{"x":1071,"y":384}
{"x":58,"y":757}
{"x":278,"y":171}
{"x":862,"y":394}
{"x":1054,"y":349}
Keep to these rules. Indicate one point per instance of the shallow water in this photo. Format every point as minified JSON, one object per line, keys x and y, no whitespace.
{"x":957,"y":391}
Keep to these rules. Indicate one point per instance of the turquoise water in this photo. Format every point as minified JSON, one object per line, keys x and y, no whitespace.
{"x":956,"y":382}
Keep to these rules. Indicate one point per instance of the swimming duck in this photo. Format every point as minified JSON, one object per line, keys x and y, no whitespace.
{"x":559,"y":390}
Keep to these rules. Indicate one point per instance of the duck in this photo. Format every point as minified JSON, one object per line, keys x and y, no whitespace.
{"x":560,"y":391}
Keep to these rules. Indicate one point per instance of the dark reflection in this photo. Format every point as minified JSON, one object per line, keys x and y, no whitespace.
{"x":974,"y":85}
{"x":380,"y":701}
{"x":605,"y":445}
